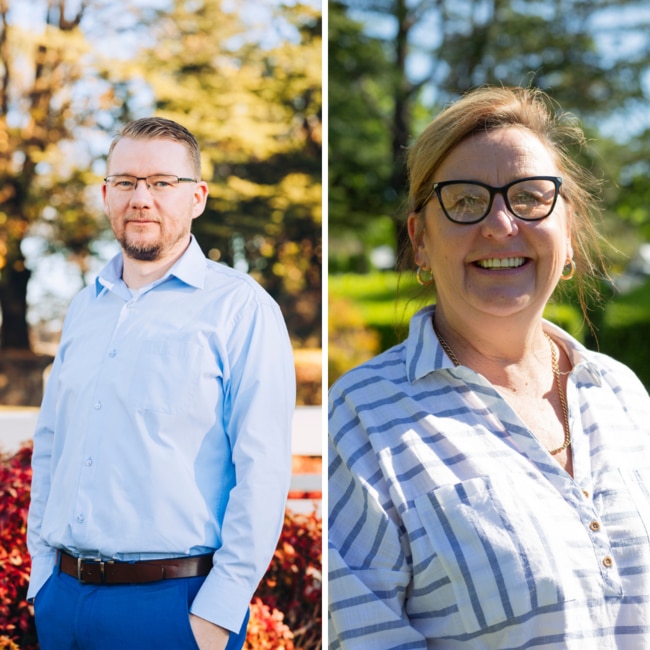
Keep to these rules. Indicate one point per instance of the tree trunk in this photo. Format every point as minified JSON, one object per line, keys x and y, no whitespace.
{"x":13,"y":304}
{"x":401,"y":125}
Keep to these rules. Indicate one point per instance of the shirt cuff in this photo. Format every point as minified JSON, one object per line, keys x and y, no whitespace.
{"x":42,"y":567}
{"x":222,"y":602}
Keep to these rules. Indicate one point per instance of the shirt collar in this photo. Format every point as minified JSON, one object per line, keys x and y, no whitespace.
{"x":424,"y":354}
{"x":189,"y":269}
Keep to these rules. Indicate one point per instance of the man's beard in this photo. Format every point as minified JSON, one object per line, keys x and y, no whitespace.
{"x":148,"y":253}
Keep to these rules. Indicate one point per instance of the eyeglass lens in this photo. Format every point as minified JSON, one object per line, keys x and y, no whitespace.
{"x":529,"y":199}
{"x":156,"y":183}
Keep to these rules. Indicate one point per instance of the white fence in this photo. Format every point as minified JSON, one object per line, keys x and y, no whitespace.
{"x":17,"y":426}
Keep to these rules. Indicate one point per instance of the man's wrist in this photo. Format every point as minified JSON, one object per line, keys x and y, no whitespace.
{"x":208,"y":636}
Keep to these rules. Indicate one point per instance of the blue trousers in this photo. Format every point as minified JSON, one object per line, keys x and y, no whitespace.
{"x":74,"y":616}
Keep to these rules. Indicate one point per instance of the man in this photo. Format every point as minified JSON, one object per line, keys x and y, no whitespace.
{"x":162,"y":453}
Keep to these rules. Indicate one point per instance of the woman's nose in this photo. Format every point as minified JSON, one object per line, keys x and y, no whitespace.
{"x":499,"y":222}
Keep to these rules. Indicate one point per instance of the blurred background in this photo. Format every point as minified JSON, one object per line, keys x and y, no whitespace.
{"x":393,"y":64}
{"x":244,"y":77}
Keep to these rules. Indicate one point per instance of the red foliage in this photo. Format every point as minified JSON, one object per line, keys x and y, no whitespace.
{"x":293,"y":583}
{"x":267,"y":630}
{"x":16,"y":621}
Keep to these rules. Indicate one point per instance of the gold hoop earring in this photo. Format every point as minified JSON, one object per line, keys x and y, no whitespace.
{"x":569,"y":270}
{"x":421,"y":281}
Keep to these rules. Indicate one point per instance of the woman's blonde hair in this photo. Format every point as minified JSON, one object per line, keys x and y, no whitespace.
{"x":489,"y":108}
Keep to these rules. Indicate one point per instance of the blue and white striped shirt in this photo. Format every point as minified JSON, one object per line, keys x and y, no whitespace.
{"x":451,"y":526}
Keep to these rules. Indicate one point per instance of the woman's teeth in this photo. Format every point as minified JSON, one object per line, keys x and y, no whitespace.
{"x":501,"y":263}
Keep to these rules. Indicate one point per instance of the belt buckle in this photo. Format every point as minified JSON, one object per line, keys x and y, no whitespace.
{"x":98,"y":561}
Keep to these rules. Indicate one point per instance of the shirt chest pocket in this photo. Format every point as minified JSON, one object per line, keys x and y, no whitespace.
{"x":166,"y":375}
{"x":496,"y":551}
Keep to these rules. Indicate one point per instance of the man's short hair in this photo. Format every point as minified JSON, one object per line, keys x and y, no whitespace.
{"x":159,"y":128}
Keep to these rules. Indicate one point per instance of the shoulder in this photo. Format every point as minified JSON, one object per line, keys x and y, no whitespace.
{"x":382,"y":373}
{"x":601,"y":367}
{"x":239,"y":286}
{"x":395,"y":369}
{"x":620,"y":377}
{"x":83,"y":298}
{"x":364,"y":395}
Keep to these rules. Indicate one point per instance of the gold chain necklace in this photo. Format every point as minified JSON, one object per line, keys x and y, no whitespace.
{"x":560,"y":391}
{"x":558,"y":380}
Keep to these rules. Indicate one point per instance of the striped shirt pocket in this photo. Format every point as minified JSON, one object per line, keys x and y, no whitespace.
{"x":492,"y":544}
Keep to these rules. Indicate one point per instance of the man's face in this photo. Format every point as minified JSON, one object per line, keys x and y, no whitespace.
{"x":153,"y":225}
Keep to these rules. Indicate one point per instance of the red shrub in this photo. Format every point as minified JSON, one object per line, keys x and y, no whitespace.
{"x":16,"y":621}
{"x":7,"y":644}
{"x":293,"y":583}
{"x":267,"y":630}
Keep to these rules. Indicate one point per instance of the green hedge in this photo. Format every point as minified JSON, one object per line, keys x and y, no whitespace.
{"x":625,"y":331}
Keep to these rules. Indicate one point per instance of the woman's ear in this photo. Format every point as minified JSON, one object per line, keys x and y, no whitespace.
{"x":569,"y":249}
{"x":569,"y":244}
{"x":415,"y":227}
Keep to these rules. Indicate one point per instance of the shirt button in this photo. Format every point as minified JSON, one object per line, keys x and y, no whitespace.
{"x":98,"y":405}
{"x":112,"y":353}
{"x":608,"y":561}
{"x":595,"y":526}
{"x":80,"y":519}
{"x":88,"y":462}
{"x":586,"y":493}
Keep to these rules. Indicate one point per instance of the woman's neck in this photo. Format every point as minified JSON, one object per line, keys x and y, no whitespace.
{"x":505,"y":350}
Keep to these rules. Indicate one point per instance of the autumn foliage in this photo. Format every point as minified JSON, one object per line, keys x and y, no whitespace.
{"x":16,"y":622}
{"x":285,"y":612}
{"x":293,"y":583}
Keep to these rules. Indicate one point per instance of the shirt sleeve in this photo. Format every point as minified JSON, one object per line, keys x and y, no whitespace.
{"x":43,"y":556}
{"x":260,"y":400}
{"x":369,"y":571}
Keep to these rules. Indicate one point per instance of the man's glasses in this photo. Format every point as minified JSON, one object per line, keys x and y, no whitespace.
{"x":158,"y":183}
{"x":468,"y":202}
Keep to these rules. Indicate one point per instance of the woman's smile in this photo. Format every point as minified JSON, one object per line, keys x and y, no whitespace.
{"x":501,"y":263}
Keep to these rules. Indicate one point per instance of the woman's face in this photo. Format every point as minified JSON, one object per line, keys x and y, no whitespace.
{"x":501,"y":266}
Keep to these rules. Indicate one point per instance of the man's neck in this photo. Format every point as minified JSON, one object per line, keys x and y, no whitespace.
{"x":140,"y":273}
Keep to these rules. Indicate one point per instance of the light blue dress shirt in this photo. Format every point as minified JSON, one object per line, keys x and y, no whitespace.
{"x":165,"y":429}
{"x":452,"y":527}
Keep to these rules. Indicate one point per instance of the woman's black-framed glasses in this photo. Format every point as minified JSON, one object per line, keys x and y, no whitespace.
{"x":468,"y":202}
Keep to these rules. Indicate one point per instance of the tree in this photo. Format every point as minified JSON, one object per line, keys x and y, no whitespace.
{"x":359,"y":102}
{"x":589,"y":55}
{"x":256,"y":111}
{"x":44,"y":106}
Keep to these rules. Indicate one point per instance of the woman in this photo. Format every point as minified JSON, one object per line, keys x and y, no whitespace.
{"x":489,"y":481}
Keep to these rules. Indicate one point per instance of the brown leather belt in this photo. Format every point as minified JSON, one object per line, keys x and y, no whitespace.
{"x":103,"y":572}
